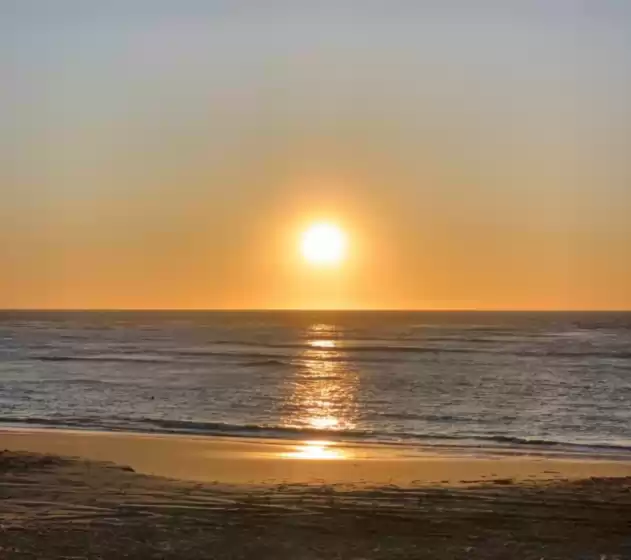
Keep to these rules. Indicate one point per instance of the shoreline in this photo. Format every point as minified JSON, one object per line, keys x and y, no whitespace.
{"x":509,"y":444}
{"x":494,"y":443}
{"x":258,"y":461}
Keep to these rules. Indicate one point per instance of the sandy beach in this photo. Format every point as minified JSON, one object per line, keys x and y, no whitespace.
{"x":110,"y":495}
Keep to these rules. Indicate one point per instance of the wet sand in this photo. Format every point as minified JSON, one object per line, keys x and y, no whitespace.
{"x":249,"y":461}
{"x":243,"y":499}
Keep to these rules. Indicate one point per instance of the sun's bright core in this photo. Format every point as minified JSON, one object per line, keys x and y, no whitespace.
{"x":324,"y":243}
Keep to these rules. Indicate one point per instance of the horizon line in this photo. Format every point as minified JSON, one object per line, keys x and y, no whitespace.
{"x":301,"y":309}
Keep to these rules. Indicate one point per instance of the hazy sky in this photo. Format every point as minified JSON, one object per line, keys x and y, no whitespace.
{"x":169,"y":153}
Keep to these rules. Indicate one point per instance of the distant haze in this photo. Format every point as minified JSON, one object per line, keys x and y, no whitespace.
{"x":160,"y":154}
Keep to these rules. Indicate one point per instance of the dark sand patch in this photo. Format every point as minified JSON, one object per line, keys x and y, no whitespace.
{"x":54,"y":507}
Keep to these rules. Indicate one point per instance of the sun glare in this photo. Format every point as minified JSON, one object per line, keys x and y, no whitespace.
{"x":323,"y":243}
{"x":315,"y":450}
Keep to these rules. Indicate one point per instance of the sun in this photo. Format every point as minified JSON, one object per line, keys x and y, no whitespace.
{"x":324,"y":243}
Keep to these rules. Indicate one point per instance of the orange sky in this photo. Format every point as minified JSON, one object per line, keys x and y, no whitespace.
{"x":171,"y":158}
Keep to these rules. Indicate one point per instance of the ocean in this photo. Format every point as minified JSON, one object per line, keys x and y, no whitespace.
{"x":423,"y":378}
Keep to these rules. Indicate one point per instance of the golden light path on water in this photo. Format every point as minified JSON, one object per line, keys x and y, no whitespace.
{"x":316,"y":449}
{"x":322,"y":394}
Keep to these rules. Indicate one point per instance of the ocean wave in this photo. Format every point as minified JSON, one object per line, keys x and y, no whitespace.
{"x":414,"y":416}
{"x":342,"y":354}
{"x":270,"y":362}
{"x":121,"y":358}
{"x":303,"y":347}
{"x":247,"y":359}
{"x":621,"y":355}
{"x":250,"y":359}
{"x":148,"y":425}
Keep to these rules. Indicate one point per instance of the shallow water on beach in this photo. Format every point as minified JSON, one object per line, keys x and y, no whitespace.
{"x":475,"y":378}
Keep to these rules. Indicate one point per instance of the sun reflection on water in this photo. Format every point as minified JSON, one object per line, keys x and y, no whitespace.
{"x":322,"y":343}
{"x":322,"y":393}
{"x":315,"y":450}
{"x":324,"y":422}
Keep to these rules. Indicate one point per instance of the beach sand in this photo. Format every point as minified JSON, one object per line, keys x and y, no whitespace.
{"x":199,"y":497}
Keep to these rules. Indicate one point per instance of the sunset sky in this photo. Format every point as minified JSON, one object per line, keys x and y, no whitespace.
{"x":170,"y":154}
